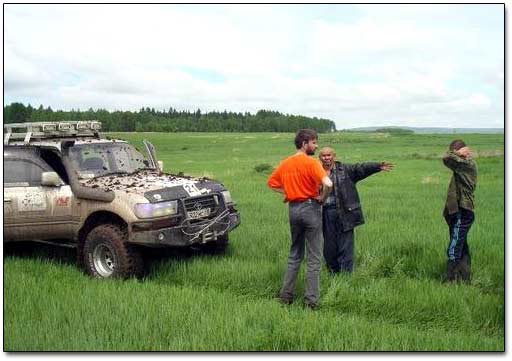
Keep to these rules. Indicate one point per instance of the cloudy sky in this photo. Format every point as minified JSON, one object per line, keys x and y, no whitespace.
{"x":359,"y":65}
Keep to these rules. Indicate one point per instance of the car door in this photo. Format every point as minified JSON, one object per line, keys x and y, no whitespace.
{"x":33,"y":211}
{"x":11,"y":190}
{"x":25,"y":203}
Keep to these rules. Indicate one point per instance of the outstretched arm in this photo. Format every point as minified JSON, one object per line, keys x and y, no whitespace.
{"x":360,"y":171}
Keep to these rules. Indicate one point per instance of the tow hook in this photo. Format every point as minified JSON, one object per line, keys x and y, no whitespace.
{"x":210,"y":236}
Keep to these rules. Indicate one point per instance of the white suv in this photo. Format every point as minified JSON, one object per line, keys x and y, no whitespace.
{"x":65,"y":184}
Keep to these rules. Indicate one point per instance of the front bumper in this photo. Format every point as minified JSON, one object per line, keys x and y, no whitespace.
{"x":186,"y":234}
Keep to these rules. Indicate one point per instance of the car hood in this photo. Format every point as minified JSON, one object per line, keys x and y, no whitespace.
{"x":156,"y":187}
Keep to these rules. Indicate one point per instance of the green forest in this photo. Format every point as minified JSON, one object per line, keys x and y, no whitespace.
{"x":172,"y":120}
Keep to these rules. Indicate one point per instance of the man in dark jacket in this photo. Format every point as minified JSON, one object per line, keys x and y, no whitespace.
{"x":342,"y":208}
{"x":458,"y":210}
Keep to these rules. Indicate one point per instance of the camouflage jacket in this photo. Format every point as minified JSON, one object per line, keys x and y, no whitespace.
{"x":463,"y":183}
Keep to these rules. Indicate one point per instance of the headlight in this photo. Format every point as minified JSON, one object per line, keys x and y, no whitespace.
{"x":227,"y":197}
{"x":151,"y":210}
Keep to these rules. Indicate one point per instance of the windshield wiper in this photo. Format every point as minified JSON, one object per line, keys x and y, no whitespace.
{"x":120,"y":172}
{"x":141,"y":169}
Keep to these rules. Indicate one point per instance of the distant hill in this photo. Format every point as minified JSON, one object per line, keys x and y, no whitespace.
{"x":432,"y":130}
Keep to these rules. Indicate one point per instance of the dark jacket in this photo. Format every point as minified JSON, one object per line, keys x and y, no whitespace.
{"x":348,"y":206}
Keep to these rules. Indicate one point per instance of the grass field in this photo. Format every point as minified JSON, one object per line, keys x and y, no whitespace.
{"x":395,"y":300}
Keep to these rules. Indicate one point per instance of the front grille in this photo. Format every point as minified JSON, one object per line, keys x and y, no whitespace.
{"x":198,"y":204}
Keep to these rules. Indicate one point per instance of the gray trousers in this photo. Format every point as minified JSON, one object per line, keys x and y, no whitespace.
{"x":306,"y":231}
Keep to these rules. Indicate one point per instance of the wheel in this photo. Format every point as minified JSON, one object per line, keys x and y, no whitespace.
{"x":216,"y":247}
{"x":106,"y":254}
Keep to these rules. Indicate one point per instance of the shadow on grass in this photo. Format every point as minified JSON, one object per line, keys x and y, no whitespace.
{"x":155,"y":260}
{"x":411,"y":260}
{"x":414,"y":262}
{"x":35,"y":250}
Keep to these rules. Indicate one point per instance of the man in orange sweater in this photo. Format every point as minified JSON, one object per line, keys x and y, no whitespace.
{"x":299,"y":178}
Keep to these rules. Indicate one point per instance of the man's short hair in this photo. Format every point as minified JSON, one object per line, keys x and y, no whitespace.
{"x":327,"y":149}
{"x":457,"y":144}
{"x":304,"y":135}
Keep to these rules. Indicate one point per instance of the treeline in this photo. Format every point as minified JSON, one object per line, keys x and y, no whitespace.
{"x":172,"y":120}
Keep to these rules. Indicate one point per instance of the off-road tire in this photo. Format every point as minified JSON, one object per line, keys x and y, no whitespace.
{"x":216,"y":247}
{"x":107,"y":255}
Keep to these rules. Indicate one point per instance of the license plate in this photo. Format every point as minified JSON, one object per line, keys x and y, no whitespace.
{"x":200,"y":213}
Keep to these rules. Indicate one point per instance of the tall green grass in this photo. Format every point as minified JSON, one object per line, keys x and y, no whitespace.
{"x":395,"y":299}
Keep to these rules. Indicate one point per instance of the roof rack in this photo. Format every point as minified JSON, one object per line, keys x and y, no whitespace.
{"x":43,"y":130}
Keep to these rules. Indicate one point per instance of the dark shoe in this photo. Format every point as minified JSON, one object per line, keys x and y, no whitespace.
{"x":346,"y":268}
{"x":333,"y":272}
{"x":458,"y":271}
{"x":312,"y":306}
{"x":450,"y":272}
{"x":463,"y":270}
{"x":284,"y":301}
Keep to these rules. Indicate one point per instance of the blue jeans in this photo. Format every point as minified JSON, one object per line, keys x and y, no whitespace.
{"x":306,"y":232}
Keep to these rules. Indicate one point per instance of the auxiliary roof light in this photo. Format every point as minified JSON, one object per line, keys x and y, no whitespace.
{"x":65,"y":126}
{"x":42,"y":130}
{"x":95,"y":125}
{"x":49,"y":127}
{"x":82,"y":125}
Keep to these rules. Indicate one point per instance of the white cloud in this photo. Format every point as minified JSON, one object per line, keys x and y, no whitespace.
{"x":21,"y":73}
{"x":388,"y":64}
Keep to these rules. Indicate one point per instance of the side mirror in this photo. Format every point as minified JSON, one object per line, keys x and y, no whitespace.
{"x":50,"y":179}
{"x":161,"y":165}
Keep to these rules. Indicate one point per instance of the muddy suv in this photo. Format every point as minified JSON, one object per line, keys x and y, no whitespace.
{"x":65,"y":184}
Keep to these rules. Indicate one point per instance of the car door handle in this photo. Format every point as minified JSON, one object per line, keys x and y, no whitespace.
{"x":7,"y":200}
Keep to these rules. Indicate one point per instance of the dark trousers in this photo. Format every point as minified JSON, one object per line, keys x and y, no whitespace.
{"x":459,"y":224}
{"x":306,"y":232}
{"x":338,"y":244}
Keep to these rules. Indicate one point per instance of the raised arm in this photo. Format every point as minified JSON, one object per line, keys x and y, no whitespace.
{"x":458,"y":160}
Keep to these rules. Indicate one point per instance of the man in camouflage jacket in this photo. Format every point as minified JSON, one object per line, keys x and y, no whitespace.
{"x":342,"y":208}
{"x":458,"y":210}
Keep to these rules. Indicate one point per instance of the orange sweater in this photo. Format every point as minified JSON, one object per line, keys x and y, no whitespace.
{"x":299,"y":175}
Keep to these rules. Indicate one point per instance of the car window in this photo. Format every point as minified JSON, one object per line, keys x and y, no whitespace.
{"x":93,"y":160}
{"x":22,"y":173}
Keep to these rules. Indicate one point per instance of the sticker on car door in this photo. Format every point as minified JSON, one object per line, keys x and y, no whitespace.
{"x":32,"y":201}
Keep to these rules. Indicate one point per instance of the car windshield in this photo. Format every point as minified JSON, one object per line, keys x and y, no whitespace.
{"x":99,"y":159}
